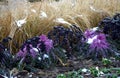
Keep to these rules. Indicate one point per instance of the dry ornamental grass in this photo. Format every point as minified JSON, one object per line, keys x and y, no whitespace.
{"x":40,"y":17}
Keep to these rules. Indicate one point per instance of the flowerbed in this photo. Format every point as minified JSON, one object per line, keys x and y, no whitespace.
{"x":67,"y":47}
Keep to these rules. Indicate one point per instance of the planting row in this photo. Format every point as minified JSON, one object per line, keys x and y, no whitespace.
{"x":61,"y":44}
{"x":93,"y":72}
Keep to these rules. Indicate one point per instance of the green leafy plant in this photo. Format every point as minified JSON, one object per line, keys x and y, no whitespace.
{"x":105,"y":70}
{"x":112,"y":76}
{"x":111,"y":72}
{"x":61,"y":76}
{"x":106,"y":61}
{"x":94,"y":72}
{"x":74,"y":74}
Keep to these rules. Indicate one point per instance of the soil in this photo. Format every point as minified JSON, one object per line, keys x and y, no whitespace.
{"x":72,"y":65}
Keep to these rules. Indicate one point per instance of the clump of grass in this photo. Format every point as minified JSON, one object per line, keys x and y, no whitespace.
{"x":4,"y":26}
{"x":85,"y":14}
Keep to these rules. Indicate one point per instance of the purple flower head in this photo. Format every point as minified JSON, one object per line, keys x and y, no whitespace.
{"x":22,"y":53}
{"x":99,"y":43}
{"x":89,"y":33}
{"x":33,"y":51}
{"x":49,"y":44}
{"x":38,"y":45}
{"x":101,"y":37}
{"x":43,"y":37}
{"x":33,"y":48}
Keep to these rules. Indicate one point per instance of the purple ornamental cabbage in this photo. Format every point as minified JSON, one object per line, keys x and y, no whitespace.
{"x":29,"y":48}
{"x":33,"y":51}
{"x":95,"y":39}
{"x":48,"y":43}
{"x":43,"y":38}
{"x":98,"y":45}
{"x":22,"y":53}
{"x":89,"y":33}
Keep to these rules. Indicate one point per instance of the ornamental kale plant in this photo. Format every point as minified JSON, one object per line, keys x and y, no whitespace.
{"x":5,"y":54}
{"x":67,"y":38}
{"x":98,"y":46}
{"x":35,"y":52}
{"x":6,"y":58}
{"x":111,"y":27}
{"x":38,"y":52}
{"x":35,"y":45}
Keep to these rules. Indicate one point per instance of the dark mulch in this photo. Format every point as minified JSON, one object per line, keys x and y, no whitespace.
{"x":71,"y":66}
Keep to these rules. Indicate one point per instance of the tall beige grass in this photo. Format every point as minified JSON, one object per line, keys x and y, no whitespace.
{"x":84,"y":13}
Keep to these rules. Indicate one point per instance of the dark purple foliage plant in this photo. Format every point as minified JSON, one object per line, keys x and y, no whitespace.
{"x":6,"y":58}
{"x":111,"y":27}
{"x":5,"y":54}
{"x":68,"y":38}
